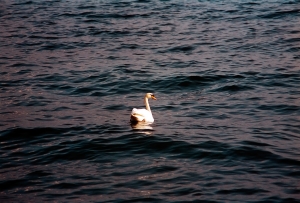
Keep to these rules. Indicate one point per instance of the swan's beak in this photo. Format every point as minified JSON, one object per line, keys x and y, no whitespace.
{"x":153,"y":97}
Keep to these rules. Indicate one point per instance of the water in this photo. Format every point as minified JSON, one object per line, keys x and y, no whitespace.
{"x":226,"y":77}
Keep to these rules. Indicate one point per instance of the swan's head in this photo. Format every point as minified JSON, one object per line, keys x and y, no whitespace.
{"x":150,"y":96}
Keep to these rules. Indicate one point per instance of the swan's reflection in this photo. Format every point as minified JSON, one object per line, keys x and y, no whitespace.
{"x":144,"y":127}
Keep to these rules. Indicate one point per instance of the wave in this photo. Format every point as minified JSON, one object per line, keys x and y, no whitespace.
{"x":282,"y":14}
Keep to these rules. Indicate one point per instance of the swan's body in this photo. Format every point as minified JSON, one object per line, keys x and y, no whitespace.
{"x":143,"y":115}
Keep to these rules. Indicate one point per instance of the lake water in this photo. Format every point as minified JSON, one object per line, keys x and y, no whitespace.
{"x":226,"y":75}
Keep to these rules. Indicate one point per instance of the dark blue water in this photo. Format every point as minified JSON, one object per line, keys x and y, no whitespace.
{"x":226,"y":75}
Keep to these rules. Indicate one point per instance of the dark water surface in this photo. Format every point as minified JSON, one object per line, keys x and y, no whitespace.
{"x":226,"y":75}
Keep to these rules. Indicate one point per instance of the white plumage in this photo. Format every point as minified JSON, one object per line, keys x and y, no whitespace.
{"x":143,"y":115}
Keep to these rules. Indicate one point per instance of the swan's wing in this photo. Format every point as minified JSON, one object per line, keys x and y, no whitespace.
{"x":141,"y":112}
{"x":136,"y":118}
{"x":141,"y":115}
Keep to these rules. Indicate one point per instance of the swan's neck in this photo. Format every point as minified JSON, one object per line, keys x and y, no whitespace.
{"x":147,"y":104}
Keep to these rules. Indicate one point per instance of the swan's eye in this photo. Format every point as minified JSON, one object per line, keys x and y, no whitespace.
{"x":153,"y":97}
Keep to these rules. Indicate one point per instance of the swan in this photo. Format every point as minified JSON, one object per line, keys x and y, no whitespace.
{"x":143,"y":115}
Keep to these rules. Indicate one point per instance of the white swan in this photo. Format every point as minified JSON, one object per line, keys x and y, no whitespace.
{"x":143,"y":115}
